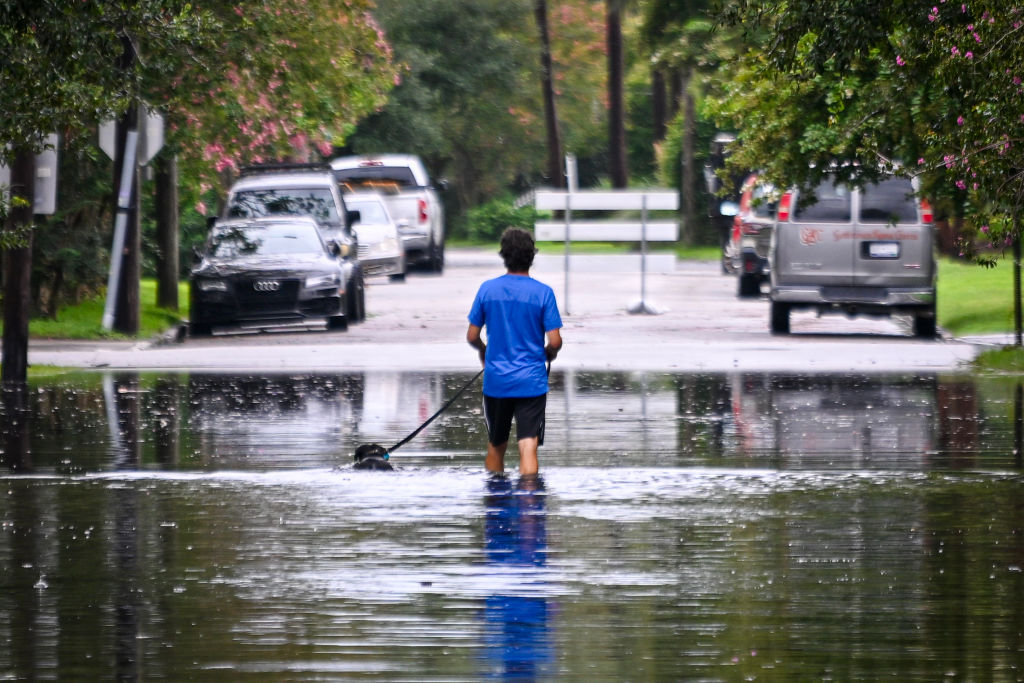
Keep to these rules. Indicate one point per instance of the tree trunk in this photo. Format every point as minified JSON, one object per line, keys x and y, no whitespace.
{"x":689,"y":174}
{"x":17,"y":264}
{"x":616,"y":99}
{"x":675,"y":92}
{"x":554,"y":142}
{"x":659,"y":107}
{"x":167,"y":223}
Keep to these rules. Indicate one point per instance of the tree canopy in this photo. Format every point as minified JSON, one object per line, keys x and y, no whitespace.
{"x":935,"y":89}
{"x":58,"y":60}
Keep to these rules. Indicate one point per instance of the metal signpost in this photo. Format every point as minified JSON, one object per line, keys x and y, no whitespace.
{"x":141,"y":146}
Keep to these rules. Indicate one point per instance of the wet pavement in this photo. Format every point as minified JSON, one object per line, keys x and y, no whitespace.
{"x":687,"y":526}
{"x":421,"y":325}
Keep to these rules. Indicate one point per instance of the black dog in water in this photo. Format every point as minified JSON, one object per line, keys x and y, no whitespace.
{"x":372,"y":456}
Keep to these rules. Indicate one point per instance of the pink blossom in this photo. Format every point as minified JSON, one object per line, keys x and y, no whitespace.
{"x":969,"y":55}
{"x":201,"y":207}
{"x":920,"y":162}
{"x":959,"y":120}
{"x":985,"y":229}
{"x":900,"y":61}
{"x":961,"y":185}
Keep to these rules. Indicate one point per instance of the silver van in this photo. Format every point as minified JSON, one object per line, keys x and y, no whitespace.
{"x":856,"y":251}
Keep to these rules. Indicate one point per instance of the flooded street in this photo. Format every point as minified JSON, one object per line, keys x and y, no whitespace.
{"x":687,"y":526}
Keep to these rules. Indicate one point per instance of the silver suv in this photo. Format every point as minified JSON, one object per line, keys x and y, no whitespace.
{"x":856,"y":251}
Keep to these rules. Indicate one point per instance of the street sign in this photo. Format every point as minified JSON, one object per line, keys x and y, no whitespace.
{"x":151,"y":135}
{"x":45,"y":198}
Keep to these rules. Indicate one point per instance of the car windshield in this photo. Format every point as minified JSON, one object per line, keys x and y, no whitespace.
{"x":317,"y":202}
{"x":831,"y":204}
{"x":367,"y":175}
{"x":237,"y":241}
{"x":890,"y":201}
{"x":369,"y":212}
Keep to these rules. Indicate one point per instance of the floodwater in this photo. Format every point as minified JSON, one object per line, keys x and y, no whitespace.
{"x":686,"y":527}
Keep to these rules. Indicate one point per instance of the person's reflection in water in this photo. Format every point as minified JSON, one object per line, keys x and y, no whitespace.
{"x":516,"y":619}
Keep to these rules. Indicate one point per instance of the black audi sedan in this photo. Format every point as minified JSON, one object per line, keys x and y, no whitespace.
{"x":263,"y":273}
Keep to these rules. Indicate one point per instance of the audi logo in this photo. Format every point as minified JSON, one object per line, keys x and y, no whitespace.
{"x":266,"y":285}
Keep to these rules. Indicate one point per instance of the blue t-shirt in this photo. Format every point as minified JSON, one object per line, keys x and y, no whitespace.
{"x":517,"y":312}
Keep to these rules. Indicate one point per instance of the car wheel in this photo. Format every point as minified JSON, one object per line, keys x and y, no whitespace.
{"x":337,"y":322}
{"x":925,"y":327}
{"x":355,"y":309}
{"x":362,"y":298}
{"x":439,"y":259}
{"x":727,"y":267}
{"x":200,"y":330}
{"x":749,"y":285}
{"x":780,"y":318}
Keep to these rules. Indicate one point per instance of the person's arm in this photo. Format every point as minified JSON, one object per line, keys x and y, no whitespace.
{"x":554,"y":344}
{"x":476,"y":341}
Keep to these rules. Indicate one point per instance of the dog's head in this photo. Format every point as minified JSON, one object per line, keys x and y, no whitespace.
{"x":371,"y":450}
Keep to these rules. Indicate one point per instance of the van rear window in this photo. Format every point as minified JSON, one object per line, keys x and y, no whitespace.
{"x":890,"y":201}
{"x":831,"y":205}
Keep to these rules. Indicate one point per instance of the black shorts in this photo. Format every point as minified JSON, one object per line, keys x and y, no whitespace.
{"x":528,"y":413}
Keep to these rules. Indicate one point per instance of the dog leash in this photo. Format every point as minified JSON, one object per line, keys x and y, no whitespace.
{"x":432,"y":417}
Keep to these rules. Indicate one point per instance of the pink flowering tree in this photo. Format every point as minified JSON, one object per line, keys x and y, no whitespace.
{"x":977,"y":137}
{"x":289,"y":80}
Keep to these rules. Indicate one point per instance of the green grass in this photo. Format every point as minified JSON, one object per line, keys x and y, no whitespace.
{"x":85,"y":320}
{"x":973,"y":299}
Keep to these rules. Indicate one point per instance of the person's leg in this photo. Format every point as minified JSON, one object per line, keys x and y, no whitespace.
{"x":495,"y":460}
{"x":528,"y":463}
{"x":498,"y":413}
{"x":530,"y":430}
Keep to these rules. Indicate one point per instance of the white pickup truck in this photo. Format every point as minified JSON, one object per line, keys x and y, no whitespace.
{"x":411,"y":197}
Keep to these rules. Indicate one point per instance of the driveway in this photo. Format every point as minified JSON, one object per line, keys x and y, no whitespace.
{"x":700,"y":325}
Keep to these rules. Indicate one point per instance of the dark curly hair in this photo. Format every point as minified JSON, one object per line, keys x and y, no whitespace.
{"x":517,"y":249}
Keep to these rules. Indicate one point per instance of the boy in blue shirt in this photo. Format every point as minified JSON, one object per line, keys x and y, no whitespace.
{"x":520,"y":314}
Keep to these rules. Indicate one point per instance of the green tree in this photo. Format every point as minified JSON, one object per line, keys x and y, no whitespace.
{"x":57,"y":74}
{"x":468,"y":100}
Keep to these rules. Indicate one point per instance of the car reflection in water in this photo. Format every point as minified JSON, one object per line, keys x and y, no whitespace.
{"x":850,"y":420}
{"x":517,"y":634}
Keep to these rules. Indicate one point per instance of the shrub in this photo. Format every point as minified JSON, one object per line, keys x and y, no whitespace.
{"x":486,"y":222}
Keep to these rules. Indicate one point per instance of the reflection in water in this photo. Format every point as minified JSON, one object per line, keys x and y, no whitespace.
{"x":16,"y":453}
{"x":517,"y":633}
{"x":716,"y":527}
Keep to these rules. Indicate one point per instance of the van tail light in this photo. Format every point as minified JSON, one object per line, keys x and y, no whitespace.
{"x":423,"y":210}
{"x":784,"y":205}
{"x":926,"y":211}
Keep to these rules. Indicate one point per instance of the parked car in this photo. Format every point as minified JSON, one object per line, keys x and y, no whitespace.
{"x":380,"y":246}
{"x":261,"y":272}
{"x":304,"y":190}
{"x":843,"y":249}
{"x":411,"y":198}
{"x":751,"y":235}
